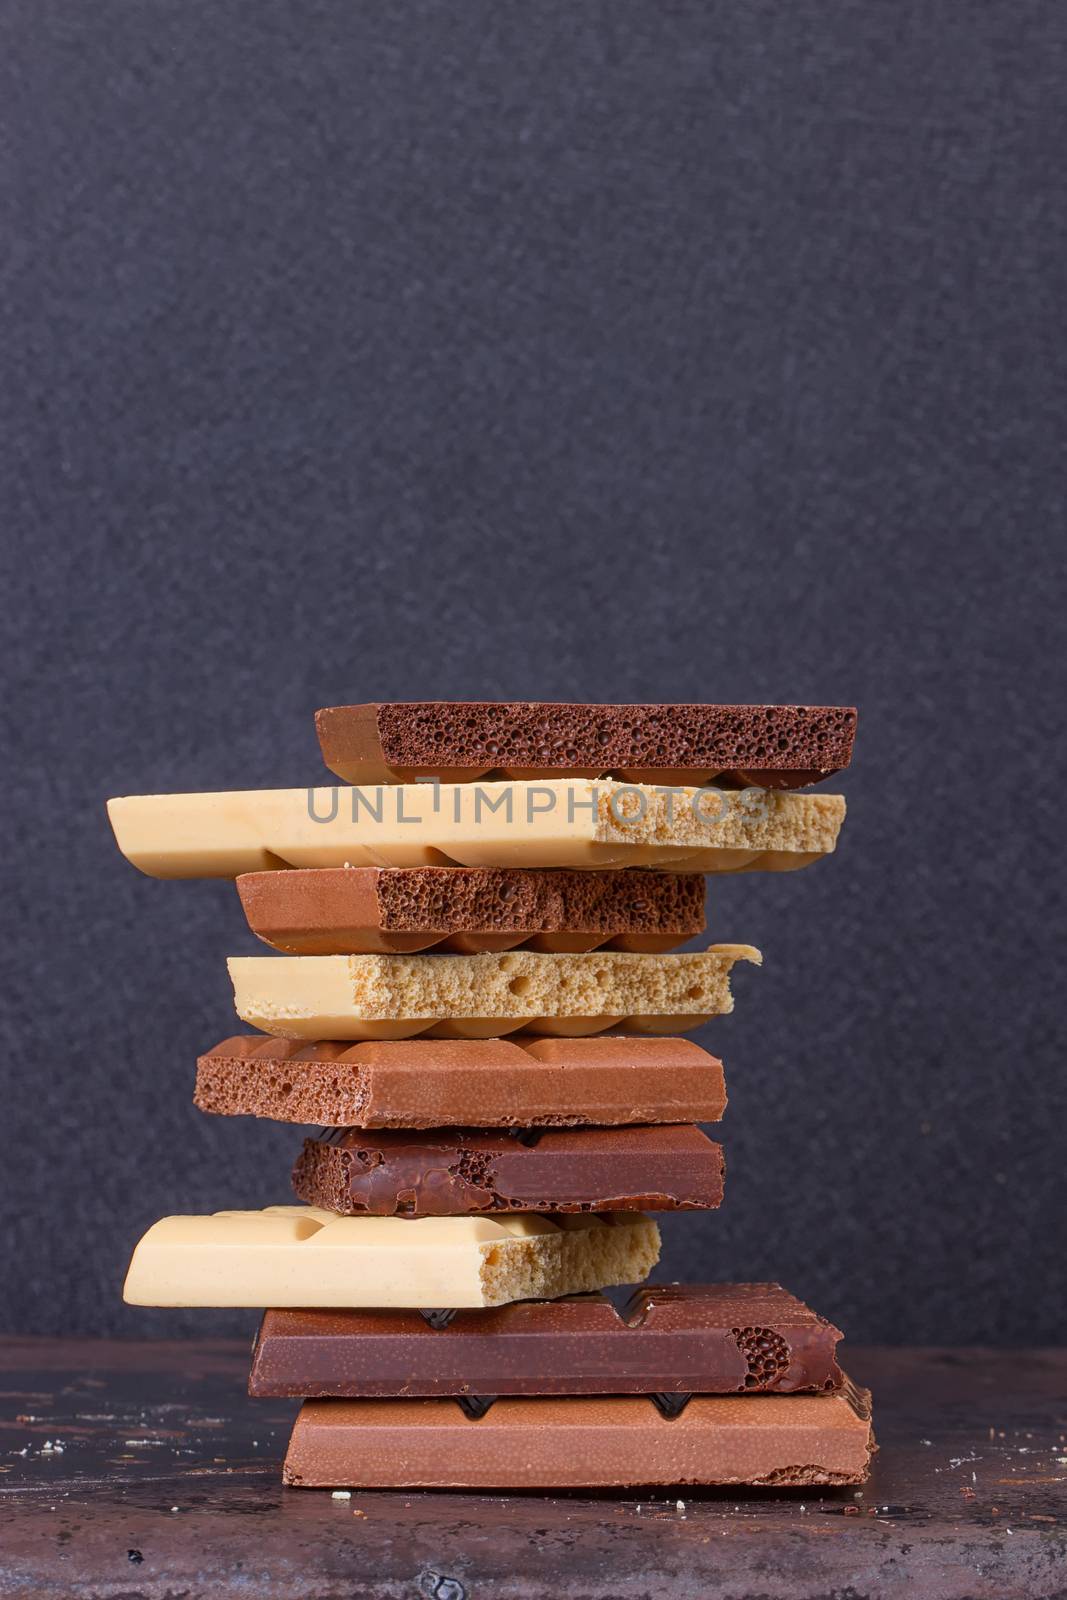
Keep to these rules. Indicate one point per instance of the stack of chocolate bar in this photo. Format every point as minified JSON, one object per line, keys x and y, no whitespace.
{"x":475,"y":1001}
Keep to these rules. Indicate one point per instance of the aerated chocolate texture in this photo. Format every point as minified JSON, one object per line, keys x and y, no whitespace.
{"x":342,"y":910}
{"x":784,"y":1441}
{"x":669,"y":1339}
{"x":674,"y":1168}
{"x":301,"y":1256}
{"x":782,"y":747}
{"x":386,"y":997}
{"x":584,"y":823}
{"x":521,"y":1082}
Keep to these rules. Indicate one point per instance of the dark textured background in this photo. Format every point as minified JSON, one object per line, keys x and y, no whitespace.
{"x":614,"y":351}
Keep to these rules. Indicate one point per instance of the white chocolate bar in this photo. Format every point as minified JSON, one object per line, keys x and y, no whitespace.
{"x":573,"y":822}
{"x":483,"y":996}
{"x":303,"y":1256}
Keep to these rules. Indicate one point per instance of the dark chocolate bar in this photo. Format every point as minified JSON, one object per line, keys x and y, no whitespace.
{"x":720,"y":1338}
{"x":457,"y":1171}
{"x":780,"y":747}
{"x":342,"y":910}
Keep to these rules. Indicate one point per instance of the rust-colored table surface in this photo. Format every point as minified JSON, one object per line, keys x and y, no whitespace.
{"x":142,"y":1469}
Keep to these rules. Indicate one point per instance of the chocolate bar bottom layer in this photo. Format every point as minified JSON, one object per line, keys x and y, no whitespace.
{"x":456,"y":1171}
{"x":788,"y":1441}
{"x":670,"y":1339}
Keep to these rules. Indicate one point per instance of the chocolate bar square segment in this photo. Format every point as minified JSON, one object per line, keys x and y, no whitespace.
{"x":456,"y":1171}
{"x":347,"y":910}
{"x":522,"y":1081}
{"x":716,"y":1338}
{"x":615,"y":1441}
{"x":454,"y":741}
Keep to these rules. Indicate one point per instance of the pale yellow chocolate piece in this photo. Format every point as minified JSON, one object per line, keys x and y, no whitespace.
{"x":483,"y":996}
{"x":573,"y":822}
{"x":302,"y":1256}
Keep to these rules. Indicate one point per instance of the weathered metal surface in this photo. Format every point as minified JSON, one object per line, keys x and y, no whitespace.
{"x":143,"y":1470}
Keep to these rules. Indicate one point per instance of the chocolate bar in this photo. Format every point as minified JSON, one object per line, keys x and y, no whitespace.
{"x":569,"y":822}
{"x":670,"y":1340}
{"x":325,"y":911}
{"x":457,"y":1171}
{"x":397,"y":997}
{"x":773,"y":746}
{"x":522,"y":1081}
{"x":304,"y":1256}
{"x":615,"y":1441}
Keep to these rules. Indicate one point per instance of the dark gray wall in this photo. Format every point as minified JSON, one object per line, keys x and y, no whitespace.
{"x":683,"y":351}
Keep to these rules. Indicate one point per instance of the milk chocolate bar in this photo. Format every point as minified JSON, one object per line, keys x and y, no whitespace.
{"x":670,"y":1340}
{"x":522,"y":1081}
{"x":569,"y":822}
{"x":483,"y":996}
{"x":614,"y":1441}
{"x":304,"y":1256}
{"x":774,"y":746}
{"x":457,"y":1171}
{"x":324,"y":911}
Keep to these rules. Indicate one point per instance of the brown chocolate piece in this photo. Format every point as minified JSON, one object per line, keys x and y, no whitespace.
{"x":778,"y":747}
{"x":615,"y":1441}
{"x":343,"y":910}
{"x":456,"y":1171}
{"x":714,"y":1338}
{"x":519,"y":1082}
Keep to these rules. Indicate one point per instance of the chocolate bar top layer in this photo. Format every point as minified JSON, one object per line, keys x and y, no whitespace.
{"x":522,"y":1081}
{"x":788,"y":1441}
{"x":342,"y":910}
{"x":773,"y":746}
{"x":673,"y":1168}
{"x":713,"y":1338}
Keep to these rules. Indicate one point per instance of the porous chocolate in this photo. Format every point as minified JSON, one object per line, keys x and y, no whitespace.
{"x":522,"y":1081}
{"x":455,"y":1171}
{"x":342,"y":910}
{"x":714,"y":1338}
{"x":773,"y":746}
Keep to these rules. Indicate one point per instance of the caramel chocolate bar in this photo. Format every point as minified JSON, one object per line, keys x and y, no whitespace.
{"x":457,"y":1171}
{"x":304,"y":1256}
{"x":782,"y":747}
{"x":483,"y":996}
{"x":613,"y":1441}
{"x":522,"y":1081}
{"x":571,"y":822}
{"x":324,"y":911}
{"x":670,"y":1340}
